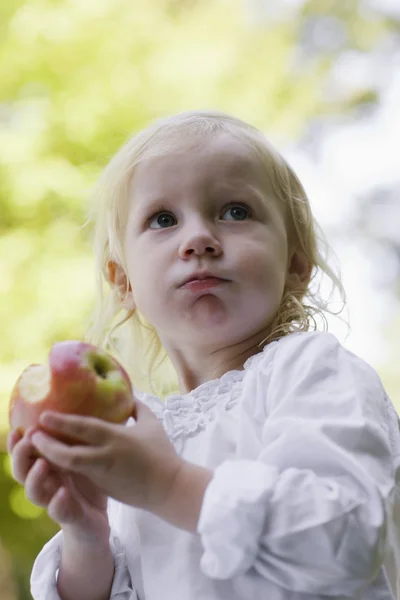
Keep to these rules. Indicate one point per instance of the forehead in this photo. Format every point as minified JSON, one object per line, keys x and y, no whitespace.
{"x":218,"y":160}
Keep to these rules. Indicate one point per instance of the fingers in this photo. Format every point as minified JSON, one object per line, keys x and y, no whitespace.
{"x":42,"y":483}
{"x":50,"y":490}
{"x":86,"y":429}
{"x":13,"y":437}
{"x":68,"y":458}
{"x":23,"y":455}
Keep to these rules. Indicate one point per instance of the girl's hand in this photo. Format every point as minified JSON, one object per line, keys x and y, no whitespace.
{"x":70,"y":499}
{"x":136,"y":465}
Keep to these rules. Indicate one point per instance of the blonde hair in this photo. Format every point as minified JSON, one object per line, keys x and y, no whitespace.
{"x":137,"y":345}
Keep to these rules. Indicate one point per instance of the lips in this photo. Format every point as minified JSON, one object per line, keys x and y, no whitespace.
{"x":200,"y":285}
{"x":202,"y":277}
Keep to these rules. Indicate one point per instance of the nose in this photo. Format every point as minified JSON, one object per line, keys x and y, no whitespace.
{"x":199,"y":240}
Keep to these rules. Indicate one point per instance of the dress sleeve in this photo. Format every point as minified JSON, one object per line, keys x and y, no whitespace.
{"x":46,"y":566}
{"x":311,"y":514}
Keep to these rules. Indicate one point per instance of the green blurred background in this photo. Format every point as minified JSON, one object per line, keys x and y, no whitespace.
{"x":77,"y":78}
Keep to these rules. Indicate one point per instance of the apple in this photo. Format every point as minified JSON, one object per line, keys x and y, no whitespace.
{"x":79,"y":379}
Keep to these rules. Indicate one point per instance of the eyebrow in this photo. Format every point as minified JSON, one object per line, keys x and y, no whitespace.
{"x":242,"y":188}
{"x":236,"y":188}
{"x":148,"y":203}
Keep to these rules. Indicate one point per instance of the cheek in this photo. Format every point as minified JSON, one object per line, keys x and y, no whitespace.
{"x":141,"y":267}
{"x":149,"y":296}
{"x":264,"y":272}
{"x":143,"y":293}
{"x":259,"y":263}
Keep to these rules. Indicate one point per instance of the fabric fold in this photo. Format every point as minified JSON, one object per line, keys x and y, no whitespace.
{"x":232,"y":516}
{"x":46,"y":567}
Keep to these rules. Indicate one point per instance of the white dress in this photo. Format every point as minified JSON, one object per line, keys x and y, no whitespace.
{"x":305,"y":499}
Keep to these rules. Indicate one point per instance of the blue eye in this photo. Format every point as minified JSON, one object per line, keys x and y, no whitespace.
{"x":163,"y":219}
{"x":237,"y":212}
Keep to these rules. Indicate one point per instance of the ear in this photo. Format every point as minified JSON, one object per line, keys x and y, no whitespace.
{"x":119,"y":280}
{"x":299,"y":270}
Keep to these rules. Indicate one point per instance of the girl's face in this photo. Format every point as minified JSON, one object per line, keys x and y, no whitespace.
{"x":207,"y":209}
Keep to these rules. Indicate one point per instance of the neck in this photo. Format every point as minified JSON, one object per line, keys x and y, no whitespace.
{"x":195,"y":366}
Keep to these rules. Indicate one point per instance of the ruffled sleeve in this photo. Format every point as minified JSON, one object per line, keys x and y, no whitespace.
{"x":46,"y":566}
{"x":312,"y":513}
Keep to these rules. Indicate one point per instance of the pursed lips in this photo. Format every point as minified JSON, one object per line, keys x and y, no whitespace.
{"x":203,"y":283}
{"x":202,"y":277}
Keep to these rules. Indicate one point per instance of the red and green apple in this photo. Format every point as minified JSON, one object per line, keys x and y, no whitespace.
{"x":80,"y":379}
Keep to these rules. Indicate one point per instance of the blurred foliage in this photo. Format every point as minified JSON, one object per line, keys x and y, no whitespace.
{"x":76,"y":79}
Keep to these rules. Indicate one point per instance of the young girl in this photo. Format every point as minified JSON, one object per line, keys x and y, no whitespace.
{"x":273,"y":471}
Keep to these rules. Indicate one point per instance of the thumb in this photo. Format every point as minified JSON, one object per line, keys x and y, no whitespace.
{"x":64,"y":508}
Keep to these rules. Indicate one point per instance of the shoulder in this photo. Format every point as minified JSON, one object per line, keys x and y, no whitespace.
{"x":309,"y":343}
{"x":315,"y":365}
{"x":320,"y":353}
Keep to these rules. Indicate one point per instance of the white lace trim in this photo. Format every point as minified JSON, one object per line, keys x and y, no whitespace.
{"x":185,"y":415}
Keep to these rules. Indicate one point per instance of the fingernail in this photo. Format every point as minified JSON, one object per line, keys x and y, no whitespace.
{"x":36,"y":438}
{"x":46,"y":418}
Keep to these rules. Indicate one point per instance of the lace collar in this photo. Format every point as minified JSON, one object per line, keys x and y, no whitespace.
{"x":183,"y":415}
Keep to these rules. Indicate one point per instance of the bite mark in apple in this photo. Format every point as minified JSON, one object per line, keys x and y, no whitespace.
{"x":35,"y":382}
